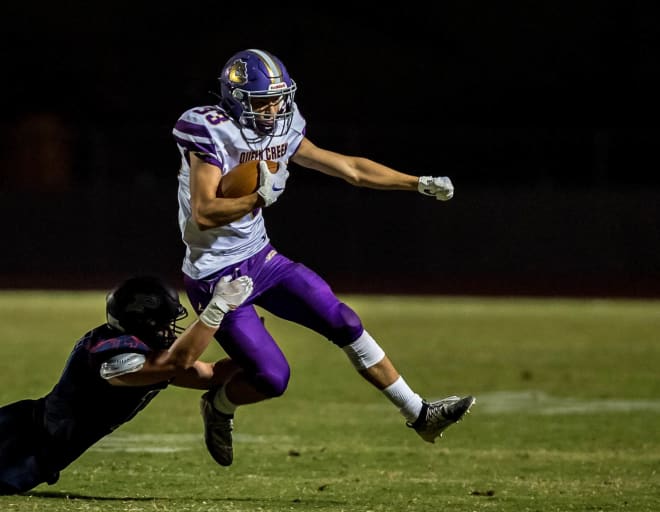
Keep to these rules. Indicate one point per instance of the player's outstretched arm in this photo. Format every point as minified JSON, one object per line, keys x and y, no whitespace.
{"x":202,"y":375}
{"x":179,"y":362}
{"x":362,"y":172}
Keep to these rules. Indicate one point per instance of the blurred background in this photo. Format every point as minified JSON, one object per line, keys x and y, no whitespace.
{"x":542,"y":113}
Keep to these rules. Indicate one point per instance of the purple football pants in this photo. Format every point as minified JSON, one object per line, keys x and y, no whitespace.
{"x":288,"y":290}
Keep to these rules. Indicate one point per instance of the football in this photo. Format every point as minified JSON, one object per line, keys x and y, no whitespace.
{"x":243,"y":179}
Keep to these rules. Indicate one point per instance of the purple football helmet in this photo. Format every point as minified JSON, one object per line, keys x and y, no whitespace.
{"x":257,"y":75}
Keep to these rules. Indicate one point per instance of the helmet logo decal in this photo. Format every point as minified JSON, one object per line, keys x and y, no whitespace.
{"x":143,"y":302}
{"x":237,"y":72}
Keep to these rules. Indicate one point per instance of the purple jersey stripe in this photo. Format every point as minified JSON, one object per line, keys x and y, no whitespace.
{"x":195,"y":146}
{"x":204,"y":151}
{"x":194,"y":129}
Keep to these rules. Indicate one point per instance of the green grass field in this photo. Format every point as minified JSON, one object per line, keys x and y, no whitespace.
{"x":567,"y":414}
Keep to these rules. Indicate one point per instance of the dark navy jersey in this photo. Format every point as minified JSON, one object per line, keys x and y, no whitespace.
{"x":81,"y":408}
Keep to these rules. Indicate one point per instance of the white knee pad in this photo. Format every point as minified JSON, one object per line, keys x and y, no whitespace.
{"x":364,"y":352}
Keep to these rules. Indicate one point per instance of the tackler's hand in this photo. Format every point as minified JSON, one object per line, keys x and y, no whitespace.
{"x":271,"y":184}
{"x":227,"y":296}
{"x":231,"y":293}
{"x":439,"y":187}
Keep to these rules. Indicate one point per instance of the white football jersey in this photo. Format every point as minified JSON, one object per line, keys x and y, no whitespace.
{"x":216,"y":138}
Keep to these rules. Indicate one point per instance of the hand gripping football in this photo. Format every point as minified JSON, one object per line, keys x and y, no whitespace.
{"x":243,"y":179}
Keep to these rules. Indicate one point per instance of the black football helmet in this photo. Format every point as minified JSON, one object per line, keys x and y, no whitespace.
{"x":148,"y":308}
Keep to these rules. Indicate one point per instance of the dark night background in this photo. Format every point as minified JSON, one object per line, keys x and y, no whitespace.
{"x":542,"y":113}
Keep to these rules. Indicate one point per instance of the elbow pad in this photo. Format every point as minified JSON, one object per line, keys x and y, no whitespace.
{"x":121,"y":364}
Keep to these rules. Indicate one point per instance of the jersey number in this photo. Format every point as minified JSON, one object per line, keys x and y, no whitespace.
{"x":214,"y":117}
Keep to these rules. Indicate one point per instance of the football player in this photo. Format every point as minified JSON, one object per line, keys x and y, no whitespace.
{"x":113,"y":372}
{"x":257,"y":119}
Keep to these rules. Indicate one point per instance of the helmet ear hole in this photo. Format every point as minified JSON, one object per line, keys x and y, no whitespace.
{"x":238,"y":94}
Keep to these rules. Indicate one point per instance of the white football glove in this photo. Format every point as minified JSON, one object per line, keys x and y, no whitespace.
{"x":228,"y":295}
{"x":271,"y":185}
{"x":439,"y":187}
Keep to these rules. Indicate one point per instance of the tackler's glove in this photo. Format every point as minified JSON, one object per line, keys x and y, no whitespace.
{"x":271,"y":185}
{"x":228,"y":295}
{"x":439,"y":187}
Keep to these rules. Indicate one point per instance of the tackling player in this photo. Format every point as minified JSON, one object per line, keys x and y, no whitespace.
{"x":258,"y":119}
{"x":113,"y":372}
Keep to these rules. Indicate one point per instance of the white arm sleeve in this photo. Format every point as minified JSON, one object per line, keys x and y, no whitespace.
{"x":121,"y":364}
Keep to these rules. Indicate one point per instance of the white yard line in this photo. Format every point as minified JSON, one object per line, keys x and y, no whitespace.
{"x":538,"y":402}
{"x":168,"y":443}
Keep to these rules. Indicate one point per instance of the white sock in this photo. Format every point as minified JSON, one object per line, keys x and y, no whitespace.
{"x":408,"y":402}
{"x":222,"y":403}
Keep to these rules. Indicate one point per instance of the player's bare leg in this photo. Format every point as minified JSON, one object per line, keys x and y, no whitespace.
{"x":428,"y":419}
{"x":381,"y":375}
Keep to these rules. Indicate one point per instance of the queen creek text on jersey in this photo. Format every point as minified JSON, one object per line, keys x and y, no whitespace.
{"x":212,"y":135}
